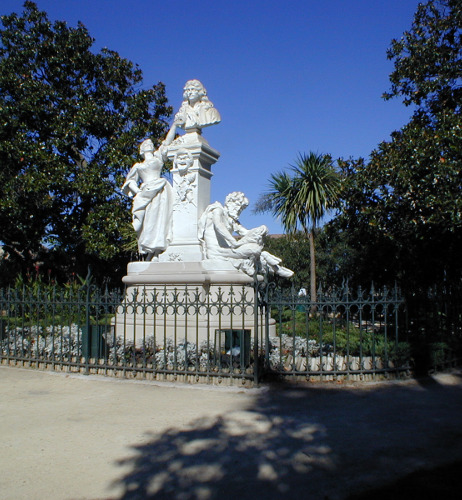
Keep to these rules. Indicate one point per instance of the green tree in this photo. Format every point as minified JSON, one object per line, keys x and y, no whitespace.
{"x":333,"y":257}
{"x":403,"y":209}
{"x":428,"y":59}
{"x":294,"y":250}
{"x":301,"y":197}
{"x":70,"y":120}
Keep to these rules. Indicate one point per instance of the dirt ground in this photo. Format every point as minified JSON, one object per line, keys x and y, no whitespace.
{"x":76,"y":437}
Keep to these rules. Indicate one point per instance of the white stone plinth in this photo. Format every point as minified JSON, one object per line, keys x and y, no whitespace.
{"x":191,"y":186}
{"x":185,"y":300}
{"x":206,"y":272}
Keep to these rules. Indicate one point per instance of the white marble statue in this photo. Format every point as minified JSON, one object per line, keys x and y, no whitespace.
{"x":183,"y":161}
{"x":196,"y":111}
{"x":185,"y":182}
{"x":215,"y":232}
{"x":152,"y":198}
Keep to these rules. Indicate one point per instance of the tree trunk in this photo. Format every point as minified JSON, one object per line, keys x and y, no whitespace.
{"x":312,"y":269}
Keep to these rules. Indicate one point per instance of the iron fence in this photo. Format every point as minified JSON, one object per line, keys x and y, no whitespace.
{"x":221,"y":334}
{"x":185,"y":333}
{"x":339,"y":334}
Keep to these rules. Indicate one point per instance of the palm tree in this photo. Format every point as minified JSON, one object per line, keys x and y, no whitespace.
{"x":301,"y":197}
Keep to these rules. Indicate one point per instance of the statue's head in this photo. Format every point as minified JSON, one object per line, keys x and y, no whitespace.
{"x":235,"y":203}
{"x":183,"y":160}
{"x":194,"y":91}
{"x":146,"y":146}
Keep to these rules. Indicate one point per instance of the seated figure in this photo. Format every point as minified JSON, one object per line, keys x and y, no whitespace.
{"x":215,"y":232}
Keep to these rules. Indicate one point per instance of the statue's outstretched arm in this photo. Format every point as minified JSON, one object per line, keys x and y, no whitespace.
{"x":168,"y":140}
{"x":177,"y":122}
{"x":171,"y":135}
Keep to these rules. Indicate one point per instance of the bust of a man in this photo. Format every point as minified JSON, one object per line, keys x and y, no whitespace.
{"x":196,"y":111}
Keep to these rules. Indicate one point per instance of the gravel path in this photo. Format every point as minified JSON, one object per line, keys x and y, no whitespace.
{"x":76,"y":437}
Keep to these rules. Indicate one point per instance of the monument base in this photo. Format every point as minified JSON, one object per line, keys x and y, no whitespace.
{"x":186,"y":301}
{"x":205,"y":272}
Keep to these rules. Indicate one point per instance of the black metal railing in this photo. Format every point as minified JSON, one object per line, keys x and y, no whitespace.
{"x":228,"y":333}
{"x":180,"y":333}
{"x":340,"y":334}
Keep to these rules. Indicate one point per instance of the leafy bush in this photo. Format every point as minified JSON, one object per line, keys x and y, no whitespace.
{"x":335,"y":334}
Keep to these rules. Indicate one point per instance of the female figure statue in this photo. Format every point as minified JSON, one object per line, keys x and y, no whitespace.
{"x":153,"y":198}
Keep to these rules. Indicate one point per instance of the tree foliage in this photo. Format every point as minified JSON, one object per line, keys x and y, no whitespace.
{"x":403,"y":208}
{"x":334,"y":257}
{"x":301,"y":197}
{"x":428,"y":59}
{"x":70,"y":120}
{"x":294,"y":250}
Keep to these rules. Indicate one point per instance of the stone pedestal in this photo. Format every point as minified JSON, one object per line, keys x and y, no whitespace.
{"x":191,"y":301}
{"x":192,"y":195}
{"x":204,"y":273}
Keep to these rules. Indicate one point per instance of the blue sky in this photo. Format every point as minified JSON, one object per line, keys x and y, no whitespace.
{"x":287,"y":76}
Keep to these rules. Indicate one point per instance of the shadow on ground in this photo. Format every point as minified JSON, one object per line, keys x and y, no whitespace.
{"x":307,"y":442}
{"x":441,"y":482}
